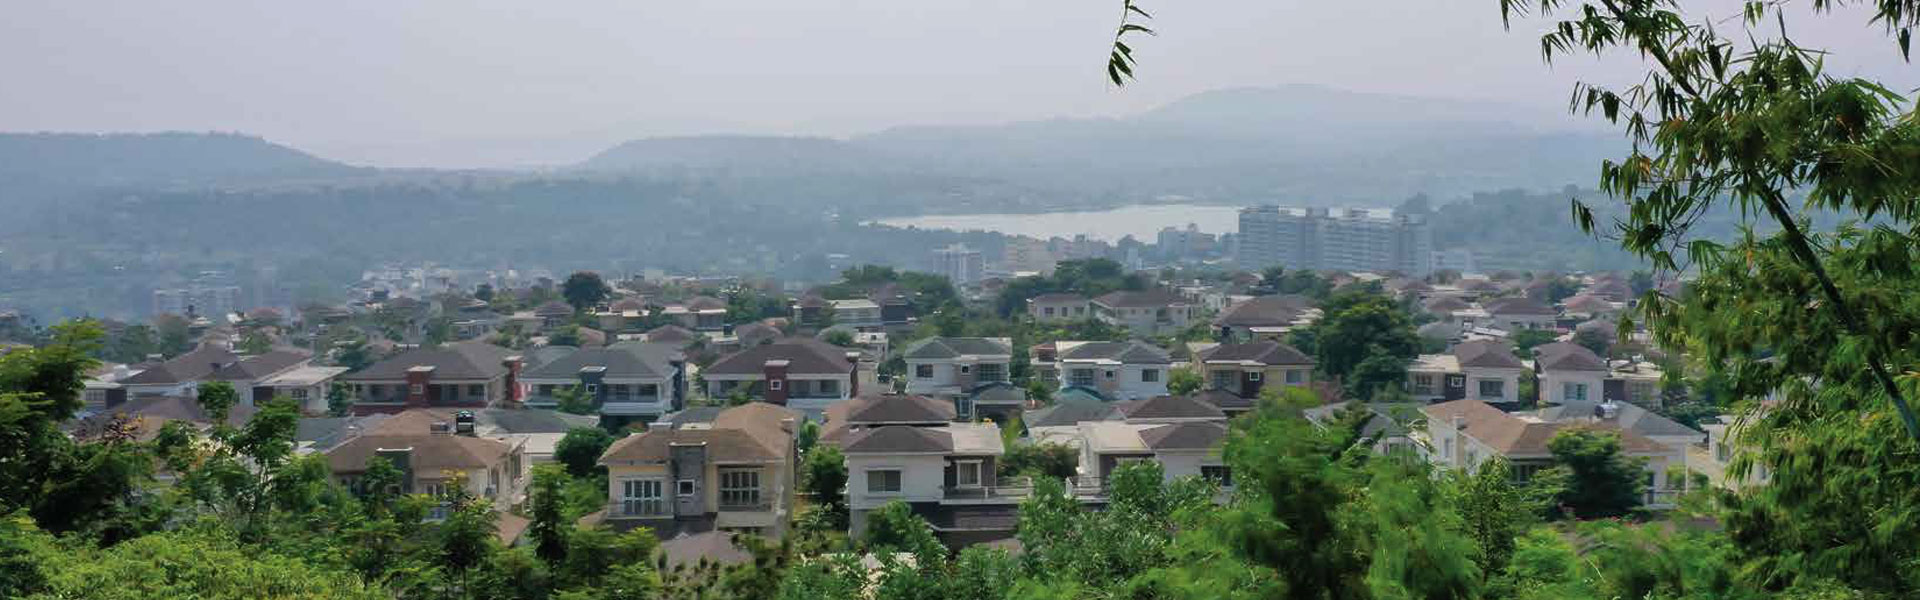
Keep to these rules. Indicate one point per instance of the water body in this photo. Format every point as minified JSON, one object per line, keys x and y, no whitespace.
{"x":1142,"y":221}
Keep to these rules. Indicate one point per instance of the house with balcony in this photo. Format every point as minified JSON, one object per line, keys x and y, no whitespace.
{"x":628,"y":381}
{"x":854,"y":415}
{"x":1189,"y":448}
{"x":1480,"y":370}
{"x":623,"y":316}
{"x":733,"y":473}
{"x":1568,"y":373}
{"x":305,"y":384}
{"x":472,"y":374}
{"x":178,"y":376}
{"x":1518,"y":313}
{"x":1148,"y":312}
{"x":1635,"y":381}
{"x":700,"y":313}
{"x":803,"y":373}
{"x":435,"y":449}
{"x":945,"y":473}
{"x":1058,"y":307}
{"x":1128,"y":370}
{"x":1265,"y":317}
{"x":1463,"y":434}
{"x":858,"y":313}
{"x":246,"y":374}
{"x":1245,"y":369}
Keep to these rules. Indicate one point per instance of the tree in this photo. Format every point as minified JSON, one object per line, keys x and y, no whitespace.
{"x":1599,"y":480}
{"x":1360,"y":326}
{"x":467,"y":536}
{"x":840,"y":337}
{"x":580,"y":449}
{"x":1057,"y":461}
{"x":1600,"y":342}
{"x":439,"y":331}
{"x":483,"y":292}
{"x":823,"y":474}
{"x":565,"y":335}
{"x":549,"y":528}
{"x":807,"y":437}
{"x":584,"y":289}
{"x":1525,"y":340}
{"x":1496,"y":512}
{"x":339,"y":399}
{"x":1640,"y":281}
{"x":894,"y":528}
{"x":574,"y":400}
{"x":217,"y":398}
{"x":256,"y":342}
{"x":1183,"y":381}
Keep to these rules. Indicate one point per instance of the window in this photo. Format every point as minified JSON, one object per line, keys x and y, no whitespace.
{"x":1573,"y":391}
{"x":417,"y":388}
{"x":1721,"y":454}
{"x":966,"y":474}
{"x":687,"y":488}
{"x":1423,"y":383}
{"x":1150,"y":375}
{"x":593,"y":389}
{"x":1220,"y":475}
{"x":829,"y":387}
{"x":740,"y":488}
{"x":776,"y":384}
{"x":1446,"y":450}
{"x":1253,"y":375}
{"x":1473,"y":456}
{"x":923,"y":371}
{"x":965,"y":369}
{"x":1296,"y":376}
{"x":1048,"y":311}
{"x":649,"y":390}
{"x":992,"y":372}
{"x":643,"y":497}
{"x":1080,"y":377}
{"x":1223,"y":380}
{"x":1109,"y":374}
{"x":297,"y":394}
{"x":883,"y":481}
{"x":478,"y":389}
{"x":1493,"y":388}
{"x":546,"y":390}
{"x":1524,"y":473}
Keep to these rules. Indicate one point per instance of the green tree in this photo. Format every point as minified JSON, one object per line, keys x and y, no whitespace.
{"x":574,"y":400}
{"x":467,"y":536}
{"x":1360,"y":326}
{"x":1496,"y":512}
{"x":1599,"y":480}
{"x":549,"y":527}
{"x":894,"y":528}
{"x":839,"y":337}
{"x":483,"y":292}
{"x":217,"y":398}
{"x":584,"y":289}
{"x":580,"y":449}
{"x":339,"y":399}
{"x":1183,"y":381}
{"x":823,"y":475}
{"x":255,"y":342}
{"x":1525,"y":340}
{"x":1057,"y":461}
{"x":1600,"y":342}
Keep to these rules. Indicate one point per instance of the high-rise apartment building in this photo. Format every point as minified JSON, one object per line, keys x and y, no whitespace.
{"x":960,"y":264}
{"x":1346,"y":239}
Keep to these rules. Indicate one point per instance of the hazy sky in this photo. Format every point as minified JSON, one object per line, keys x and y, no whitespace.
{"x":496,"y":83}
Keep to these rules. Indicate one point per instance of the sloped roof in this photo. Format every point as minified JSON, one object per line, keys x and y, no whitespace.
{"x":1627,"y":416}
{"x":1195,"y":435}
{"x":953,"y":347}
{"x":1265,"y":311}
{"x":1513,"y":436}
{"x":553,"y":308}
{"x":1566,"y":356}
{"x":705,"y":303}
{"x":1612,"y":289}
{"x":670,"y":333}
{"x":898,"y":408}
{"x":803,"y":356}
{"x":192,"y":366}
{"x":253,"y":368}
{"x":1069,"y":411}
{"x":432,"y":452}
{"x":1169,"y":407}
{"x":150,"y":413}
{"x":1134,"y":351}
{"x":463,"y":360}
{"x":754,"y":333}
{"x":1446,"y":304}
{"x":628,"y":303}
{"x":766,"y":424}
{"x":713,"y":547}
{"x":621,"y":361}
{"x":1222,"y":399}
{"x":1587,"y":304}
{"x":1141,"y":299}
{"x":1265,"y":352}
{"x":655,"y":446}
{"x":1057,"y":298}
{"x":1518,"y":306}
{"x":1486,"y":354}
{"x":898,"y":439}
{"x":998,"y":392}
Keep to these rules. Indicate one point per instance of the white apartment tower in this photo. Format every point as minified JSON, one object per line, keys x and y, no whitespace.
{"x":1344,"y":239}
{"x":960,"y":264}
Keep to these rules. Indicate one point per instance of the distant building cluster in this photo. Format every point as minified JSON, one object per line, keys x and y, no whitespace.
{"x":211,"y":293}
{"x":1346,"y":239}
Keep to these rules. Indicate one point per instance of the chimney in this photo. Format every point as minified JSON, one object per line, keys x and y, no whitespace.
{"x":775,"y":374}
{"x":419,"y":379}
{"x":463,"y":423}
{"x":513,"y":364}
{"x":853,"y":375}
{"x":660,"y":426}
{"x":1606,"y":411}
{"x":786,"y":424}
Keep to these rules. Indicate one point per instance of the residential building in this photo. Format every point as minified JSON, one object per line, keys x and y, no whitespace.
{"x":198,"y":299}
{"x":1347,"y":239}
{"x":1519,"y":312}
{"x":1480,"y":370}
{"x":700,"y":313}
{"x":1128,"y":370}
{"x":553,"y":314}
{"x":1625,"y":417}
{"x":1150,"y":312}
{"x":1463,"y":434}
{"x":856,"y":313}
{"x":1183,"y":449}
{"x":975,"y":373}
{"x":623,"y":316}
{"x":434,"y":450}
{"x":306,"y":384}
{"x":1714,"y":459}
{"x":626,"y":381}
{"x":1049,"y":308}
{"x":246,"y":374}
{"x":1569,"y":372}
{"x":802,"y":373}
{"x":855,"y":415}
{"x":179,"y":376}
{"x":960,"y":265}
{"x":945,"y":473}
{"x":734,"y":473}
{"x":470,"y":374}
{"x":1265,"y":317}
{"x":1244,"y":369}
{"x":1634,"y":381}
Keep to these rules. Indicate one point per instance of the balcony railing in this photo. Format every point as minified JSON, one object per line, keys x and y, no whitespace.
{"x":1010,"y":487}
{"x":761,"y":504}
{"x":635,"y":509}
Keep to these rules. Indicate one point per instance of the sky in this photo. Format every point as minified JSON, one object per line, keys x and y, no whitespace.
{"x":495,"y":83}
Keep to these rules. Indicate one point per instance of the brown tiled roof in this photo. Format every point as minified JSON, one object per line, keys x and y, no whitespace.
{"x":1587,"y":304}
{"x":463,"y":360}
{"x":713,"y":547}
{"x":1446,"y":304}
{"x":255,"y":367}
{"x":1486,"y":354}
{"x":1222,"y":399}
{"x":1516,"y":437}
{"x":554,"y":308}
{"x":761,"y":421}
{"x":1057,"y":298}
{"x":670,"y":333}
{"x":803,"y":356}
{"x":898,"y":408}
{"x":432,"y":452}
{"x":1197,"y":435}
{"x":1565,"y":356}
{"x":192,"y":366}
{"x":1169,"y":407}
{"x":893,"y":439}
{"x":1140,"y":299}
{"x":1266,"y":352}
{"x":1518,"y":306}
{"x":723,"y":445}
{"x":1265,"y":311}
{"x":705,"y":303}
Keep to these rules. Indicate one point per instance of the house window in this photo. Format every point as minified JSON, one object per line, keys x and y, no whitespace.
{"x":1296,"y":376}
{"x":1423,"y":383}
{"x":1223,"y":380}
{"x":297,"y":394}
{"x":1220,"y":475}
{"x":1109,"y":374}
{"x":1721,"y":454}
{"x":966,"y":474}
{"x":923,"y":371}
{"x":992,"y":372}
{"x":828,"y":387}
{"x":417,"y":388}
{"x":1493,"y":388}
{"x":740,"y":488}
{"x":593,"y":389}
{"x":1253,"y":375}
{"x":478,"y":389}
{"x":649,"y":390}
{"x":687,"y":488}
{"x":1080,"y":377}
{"x":883,"y":481}
{"x":1150,"y":376}
{"x":1048,"y":311}
{"x":1446,"y":450}
{"x":1524,"y":473}
{"x":965,"y":369}
{"x":546,"y":390}
{"x":776,"y":385}
{"x":1573,"y":391}
{"x":643,"y":497}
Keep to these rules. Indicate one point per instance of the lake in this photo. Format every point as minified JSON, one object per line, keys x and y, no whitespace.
{"x":1143,"y":221}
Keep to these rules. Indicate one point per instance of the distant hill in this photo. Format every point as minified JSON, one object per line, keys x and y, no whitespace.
{"x":130,"y":158}
{"x":1296,"y":143}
